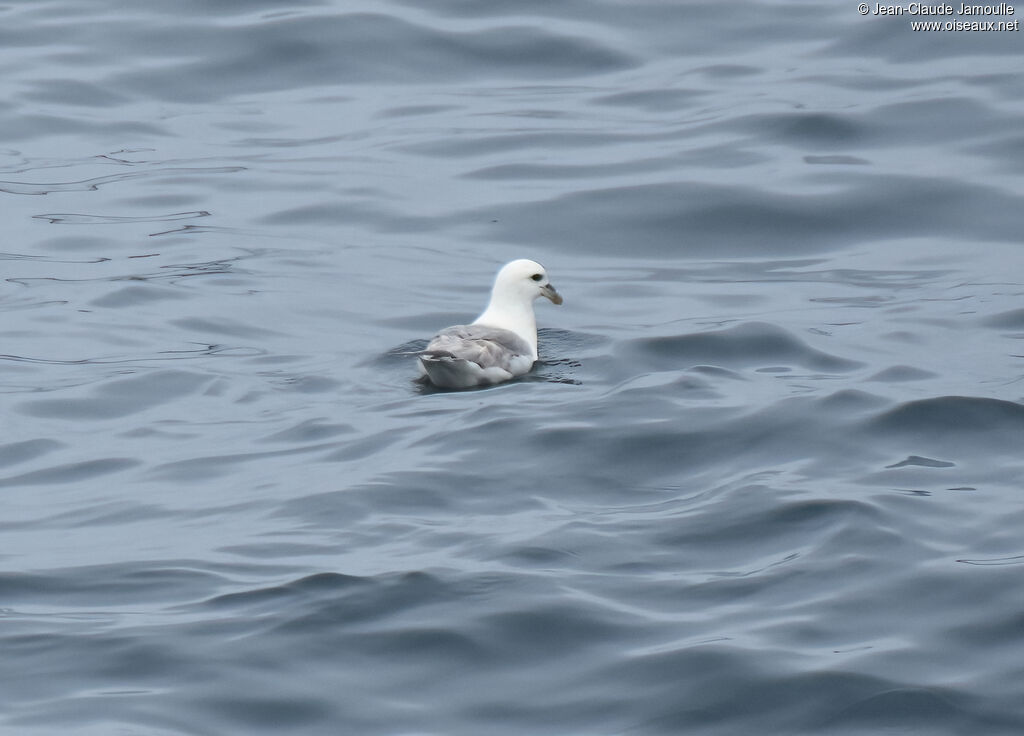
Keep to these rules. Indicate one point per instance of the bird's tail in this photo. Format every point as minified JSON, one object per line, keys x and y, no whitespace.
{"x":444,"y":370}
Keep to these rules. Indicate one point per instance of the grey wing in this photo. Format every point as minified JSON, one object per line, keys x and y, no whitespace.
{"x":485,"y":346}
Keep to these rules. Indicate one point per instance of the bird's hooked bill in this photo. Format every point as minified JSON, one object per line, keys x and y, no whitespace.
{"x":549,"y":291}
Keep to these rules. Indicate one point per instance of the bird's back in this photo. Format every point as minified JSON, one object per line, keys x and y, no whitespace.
{"x":464,"y":356}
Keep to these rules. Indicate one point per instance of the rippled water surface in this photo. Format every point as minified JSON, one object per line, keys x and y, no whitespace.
{"x":766,"y":478}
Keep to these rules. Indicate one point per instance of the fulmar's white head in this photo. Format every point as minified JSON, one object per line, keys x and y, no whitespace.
{"x":516,"y":286}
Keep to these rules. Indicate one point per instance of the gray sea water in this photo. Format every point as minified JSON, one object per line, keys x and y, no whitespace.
{"x":767,"y":478}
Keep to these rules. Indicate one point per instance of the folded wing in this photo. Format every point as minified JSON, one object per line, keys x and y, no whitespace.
{"x":464,"y":356}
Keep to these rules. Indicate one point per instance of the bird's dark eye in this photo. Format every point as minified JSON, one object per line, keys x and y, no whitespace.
{"x":536,"y":277}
